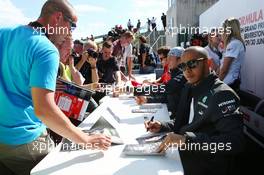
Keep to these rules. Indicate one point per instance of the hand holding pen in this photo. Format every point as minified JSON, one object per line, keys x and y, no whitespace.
{"x":151,"y":120}
{"x":152,"y":125}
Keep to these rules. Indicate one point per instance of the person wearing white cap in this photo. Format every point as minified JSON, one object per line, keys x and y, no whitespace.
{"x":176,"y":52}
{"x":177,"y":82}
{"x":173,"y":87}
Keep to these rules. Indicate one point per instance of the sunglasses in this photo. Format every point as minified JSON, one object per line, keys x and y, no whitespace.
{"x":190,"y":64}
{"x":66,"y":18}
{"x":72,"y":24}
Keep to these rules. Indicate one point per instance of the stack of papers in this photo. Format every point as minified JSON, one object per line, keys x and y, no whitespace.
{"x":148,"y":145}
{"x":101,"y":126}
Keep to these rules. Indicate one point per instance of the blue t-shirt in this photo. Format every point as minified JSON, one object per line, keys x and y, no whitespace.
{"x":27,"y":59}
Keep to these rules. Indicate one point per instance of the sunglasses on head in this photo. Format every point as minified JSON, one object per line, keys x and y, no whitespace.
{"x":72,"y":24}
{"x":191,"y":64}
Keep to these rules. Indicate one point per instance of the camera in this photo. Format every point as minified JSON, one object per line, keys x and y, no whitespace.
{"x":92,"y":53}
{"x":74,"y":54}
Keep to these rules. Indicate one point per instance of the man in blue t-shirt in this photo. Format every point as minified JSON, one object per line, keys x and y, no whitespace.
{"x":28,"y":69}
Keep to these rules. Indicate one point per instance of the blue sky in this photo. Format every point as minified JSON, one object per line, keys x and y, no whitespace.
{"x":95,"y":17}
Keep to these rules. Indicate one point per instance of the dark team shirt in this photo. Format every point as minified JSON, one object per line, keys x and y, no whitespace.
{"x":216,"y":113}
{"x":107,"y":69}
{"x":168,"y":93}
{"x":217,"y":121}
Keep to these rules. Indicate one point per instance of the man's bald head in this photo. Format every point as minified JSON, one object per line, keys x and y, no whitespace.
{"x":52,"y":6}
{"x":195,"y":61}
{"x":58,"y":17}
{"x":197,"y":52}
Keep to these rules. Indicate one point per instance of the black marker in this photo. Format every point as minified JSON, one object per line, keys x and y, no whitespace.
{"x":151,"y":120}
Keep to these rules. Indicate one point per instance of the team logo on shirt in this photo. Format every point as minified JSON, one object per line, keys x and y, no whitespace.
{"x":227,"y":106}
{"x":226,"y":103}
{"x":225,"y":110}
{"x":230,"y":108}
{"x":201,"y":112}
{"x":202,"y":104}
{"x":204,"y":99}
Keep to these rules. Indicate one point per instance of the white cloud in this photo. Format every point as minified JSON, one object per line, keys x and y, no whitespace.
{"x":84,"y":28}
{"x":85,"y":8}
{"x":11,"y":15}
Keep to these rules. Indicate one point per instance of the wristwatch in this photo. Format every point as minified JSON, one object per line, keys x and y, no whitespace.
{"x":189,"y":136}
